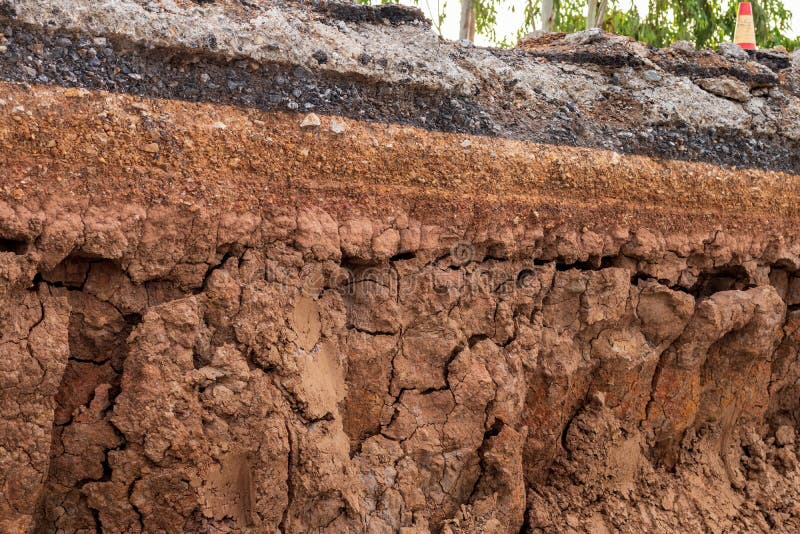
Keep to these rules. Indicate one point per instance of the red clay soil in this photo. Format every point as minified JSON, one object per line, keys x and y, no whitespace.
{"x":215,"y":320}
{"x":71,"y":143}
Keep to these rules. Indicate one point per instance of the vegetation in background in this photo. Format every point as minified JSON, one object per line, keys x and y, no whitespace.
{"x":706,"y":23}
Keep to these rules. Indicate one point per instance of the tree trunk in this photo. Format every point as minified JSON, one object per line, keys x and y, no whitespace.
{"x":601,"y":13}
{"x":548,"y":15}
{"x":596,"y":13}
{"x":467,"y":29}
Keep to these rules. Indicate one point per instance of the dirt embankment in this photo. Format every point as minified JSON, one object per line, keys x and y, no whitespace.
{"x":215,"y":320}
{"x":178,"y":369}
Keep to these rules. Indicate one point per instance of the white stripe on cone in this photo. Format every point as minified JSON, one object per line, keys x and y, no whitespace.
{"x":745,"y":34}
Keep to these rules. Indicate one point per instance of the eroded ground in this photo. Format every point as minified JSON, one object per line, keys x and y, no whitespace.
{"x":502,"y":314}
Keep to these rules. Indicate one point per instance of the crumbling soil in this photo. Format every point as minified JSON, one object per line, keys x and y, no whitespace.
{"x":216,"y":320}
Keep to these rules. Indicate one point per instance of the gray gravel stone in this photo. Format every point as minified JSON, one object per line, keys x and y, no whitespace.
{"x":652,"y":76}
{"x":732,"y":51}
{"x":730,"y":88}
{"x":587,"y":89}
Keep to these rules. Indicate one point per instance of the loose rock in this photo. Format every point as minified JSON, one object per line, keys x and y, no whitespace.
{"x":733,"y":51}
{"x":727,"y":88}
{"x":652,"y":76}
{"x":321,"y":56}
{"x":311,"y":121}
{"x":338,"y":127}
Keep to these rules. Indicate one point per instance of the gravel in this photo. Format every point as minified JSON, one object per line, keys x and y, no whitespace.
{"x":733,"y":51}
{"x":539,"y":105}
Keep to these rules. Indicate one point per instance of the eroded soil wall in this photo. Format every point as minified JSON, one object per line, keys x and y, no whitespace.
{"x":547,"y":289}
{"x":178,"y":370}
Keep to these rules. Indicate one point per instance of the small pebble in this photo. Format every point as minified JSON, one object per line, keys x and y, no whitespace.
{"x":311,"y":121}
{"x":652,"y":76}
{"x":338,"y":127}
{"x":320,"y":56}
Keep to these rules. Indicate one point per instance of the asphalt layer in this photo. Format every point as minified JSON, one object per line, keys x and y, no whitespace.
{"x":36,"y":56}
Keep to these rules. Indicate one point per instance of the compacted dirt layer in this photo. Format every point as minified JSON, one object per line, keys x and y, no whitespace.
{"x":227,"y":316}
{"x":216,"y":320}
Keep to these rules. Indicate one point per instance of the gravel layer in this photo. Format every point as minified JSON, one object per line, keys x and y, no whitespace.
{"x":625,"y":110}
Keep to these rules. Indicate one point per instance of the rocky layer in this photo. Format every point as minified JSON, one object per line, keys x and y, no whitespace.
{"x":217,"y":320}
{"x":387,"y":64}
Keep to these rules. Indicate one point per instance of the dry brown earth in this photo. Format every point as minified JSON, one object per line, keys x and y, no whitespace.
{"x":214,"y":320}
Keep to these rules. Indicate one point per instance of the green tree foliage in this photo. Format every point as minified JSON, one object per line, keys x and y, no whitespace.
{"x":772,"y":21}
{"x":706,"y":23}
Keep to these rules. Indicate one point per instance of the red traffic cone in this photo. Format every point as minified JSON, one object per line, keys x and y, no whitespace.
{"x":745,"y":34}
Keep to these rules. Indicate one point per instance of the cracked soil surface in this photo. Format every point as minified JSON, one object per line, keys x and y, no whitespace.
{"x":554,"y":289}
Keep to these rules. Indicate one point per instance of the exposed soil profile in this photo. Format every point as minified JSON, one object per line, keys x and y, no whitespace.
{"x":548,"y":289}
